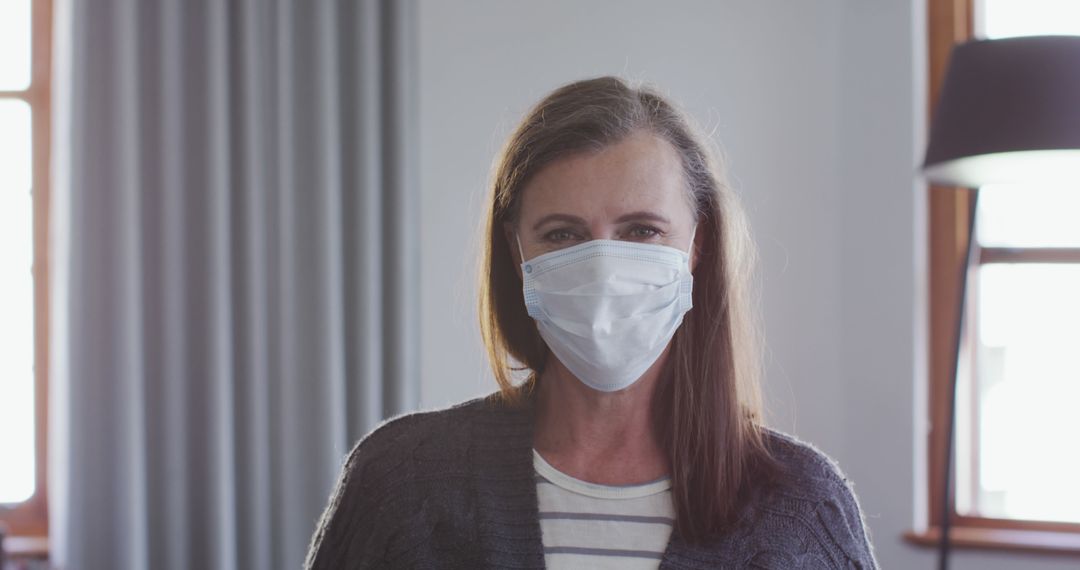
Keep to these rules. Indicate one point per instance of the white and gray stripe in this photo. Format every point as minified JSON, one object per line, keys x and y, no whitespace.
{"x":588,"y":525}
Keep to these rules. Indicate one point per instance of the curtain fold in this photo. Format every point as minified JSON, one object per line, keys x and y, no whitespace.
{"x":235,"y":267}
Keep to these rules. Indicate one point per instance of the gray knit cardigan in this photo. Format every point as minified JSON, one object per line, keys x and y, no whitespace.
{"x":455,"y":488}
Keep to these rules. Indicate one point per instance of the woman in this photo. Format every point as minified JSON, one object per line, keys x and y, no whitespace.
{"x":614,"y":278}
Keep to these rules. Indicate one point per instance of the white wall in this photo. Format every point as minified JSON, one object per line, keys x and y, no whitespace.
{"x":820,"y":107}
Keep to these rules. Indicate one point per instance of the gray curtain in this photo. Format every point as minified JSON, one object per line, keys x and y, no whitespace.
{"x":234,"y":268}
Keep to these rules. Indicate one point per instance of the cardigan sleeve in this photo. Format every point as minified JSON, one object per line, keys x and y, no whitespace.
{"x":334,"y":543}
{"x":361,"y":518}
{"x":830,"y":515}
{"x":843,"y":528}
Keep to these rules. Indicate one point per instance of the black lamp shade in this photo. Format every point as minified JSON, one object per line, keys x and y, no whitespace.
{"x":1009,"y":112}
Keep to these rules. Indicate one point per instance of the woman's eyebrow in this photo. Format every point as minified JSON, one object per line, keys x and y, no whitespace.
{"x":642,"y":215}
{"x":559,"y":218}
{"x":632,"y":216}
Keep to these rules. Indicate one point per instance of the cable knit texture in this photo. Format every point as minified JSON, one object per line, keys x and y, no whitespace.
{"x":455,"y":488}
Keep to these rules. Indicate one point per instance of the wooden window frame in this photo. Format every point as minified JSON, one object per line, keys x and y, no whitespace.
{"x":28,"y":522}
{"x":951,"y":22}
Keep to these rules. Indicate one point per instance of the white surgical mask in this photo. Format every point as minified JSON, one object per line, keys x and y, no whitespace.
{"x":608,"y":308}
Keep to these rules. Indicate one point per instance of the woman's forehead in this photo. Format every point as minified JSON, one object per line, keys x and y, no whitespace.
{"x":643,"y":172}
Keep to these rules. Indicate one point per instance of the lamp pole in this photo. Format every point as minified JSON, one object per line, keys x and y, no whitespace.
{"x":944,"y":542}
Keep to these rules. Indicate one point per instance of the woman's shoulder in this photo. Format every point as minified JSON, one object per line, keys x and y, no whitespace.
{"x":442,"y":431}
{"x":810,"y":473}
{"x":414,"y":443}
{"x":816,"y":496}
{"x":390,"y":472}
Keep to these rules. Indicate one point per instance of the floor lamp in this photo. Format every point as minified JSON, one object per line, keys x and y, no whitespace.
{"x":1009,"y":112}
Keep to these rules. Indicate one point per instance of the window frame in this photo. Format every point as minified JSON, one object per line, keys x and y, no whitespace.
{"x":951,"y":22}
{"x":28,"y":522}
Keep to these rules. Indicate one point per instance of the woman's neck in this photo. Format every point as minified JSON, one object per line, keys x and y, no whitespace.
{"x":600,"y":437}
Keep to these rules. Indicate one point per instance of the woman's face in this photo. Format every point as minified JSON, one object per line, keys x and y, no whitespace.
{"x":633,"y":190}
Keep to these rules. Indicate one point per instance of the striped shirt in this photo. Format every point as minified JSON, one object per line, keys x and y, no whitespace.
{"x":587,"y":525}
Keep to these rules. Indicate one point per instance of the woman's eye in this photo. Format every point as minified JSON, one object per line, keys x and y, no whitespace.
{"x":559,"y":235}
{"x":644,"y":232}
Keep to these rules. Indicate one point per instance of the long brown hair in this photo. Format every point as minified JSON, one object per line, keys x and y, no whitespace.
{"x":707,"y":405}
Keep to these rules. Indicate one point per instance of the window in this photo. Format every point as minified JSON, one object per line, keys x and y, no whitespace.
{"x":1019,"y":381}
{"x":24,"y":158}
{"x":1024,"y":382}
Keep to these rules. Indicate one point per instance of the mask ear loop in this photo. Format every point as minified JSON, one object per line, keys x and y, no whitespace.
{"x":693,"y":234}
{"x":521,"y":252}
